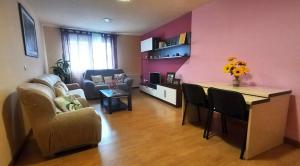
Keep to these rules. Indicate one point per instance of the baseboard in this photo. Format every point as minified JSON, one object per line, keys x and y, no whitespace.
{"x":18,"y":153}
{"x":292,"y":142}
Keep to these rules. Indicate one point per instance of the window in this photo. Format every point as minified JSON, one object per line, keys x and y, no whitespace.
{"x":86,"y":50}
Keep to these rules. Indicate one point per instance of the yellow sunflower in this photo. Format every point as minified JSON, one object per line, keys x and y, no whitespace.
{"x":227,"y":68}
{"x":241,"y":63}
{"x":245,"y":69}
{"x":238,"y":71}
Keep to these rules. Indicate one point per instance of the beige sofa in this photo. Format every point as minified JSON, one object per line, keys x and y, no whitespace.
{"x":50,"y":80}
{"x":58,"y":132}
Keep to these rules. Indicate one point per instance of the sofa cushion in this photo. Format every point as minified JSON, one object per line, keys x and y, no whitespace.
{"x":77,"y":92}
{"x":60,"y":89}
{"x":101,"y":86}
{"x":104,"y":72}
{"x":97,"y":78}
{"x":108,"y":79}
{"x":63,"y":85}
{"x":123,"y":86}
{"x":67,"y":103}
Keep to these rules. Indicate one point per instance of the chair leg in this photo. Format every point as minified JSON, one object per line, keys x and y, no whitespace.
{"x":208,"y":124}
{"x":244,"y":142}
{"x":184,"y":113}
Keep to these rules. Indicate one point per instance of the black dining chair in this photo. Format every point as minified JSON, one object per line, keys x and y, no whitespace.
{"x":228,"y":104}
{"x":193,"y":95}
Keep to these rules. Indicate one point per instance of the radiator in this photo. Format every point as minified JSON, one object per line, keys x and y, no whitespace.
{"x":136,"y":79}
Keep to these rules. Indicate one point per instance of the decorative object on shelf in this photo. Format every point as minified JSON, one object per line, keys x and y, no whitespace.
{"x":28,"y":33}
{"x":236,"y":68}
{"x":62,"y":69}
{"x":176,"y":82}
{"x":182,"y":38}
{"x":170,"y":77}
{"x":145,"y":82}
{"x":161,"y":44}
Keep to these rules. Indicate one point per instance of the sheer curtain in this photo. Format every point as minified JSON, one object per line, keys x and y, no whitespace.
{"x":87,"y":50}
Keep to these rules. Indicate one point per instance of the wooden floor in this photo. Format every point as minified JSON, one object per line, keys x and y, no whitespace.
{"x":152,"y":135}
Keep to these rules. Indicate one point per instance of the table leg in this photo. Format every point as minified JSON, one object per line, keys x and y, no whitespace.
{"x":109,"y":105}
{"x":101,"y":100}
{"x":129,"y":103}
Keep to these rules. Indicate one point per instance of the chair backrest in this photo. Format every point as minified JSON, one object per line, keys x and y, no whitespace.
{"x":47,"y":79}
{"x":194,"y":94}
{"x":229,"y":103}
{"x":37,"y":103}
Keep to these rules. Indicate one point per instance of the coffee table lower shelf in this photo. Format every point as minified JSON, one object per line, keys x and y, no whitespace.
{"x":111,"y":100}
{"x":116,"y":105}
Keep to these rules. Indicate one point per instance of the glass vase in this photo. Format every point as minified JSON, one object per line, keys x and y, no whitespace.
{"x":236,"y":82}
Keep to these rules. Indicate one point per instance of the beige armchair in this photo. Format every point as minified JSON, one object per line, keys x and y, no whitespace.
{"x":57,"y":132}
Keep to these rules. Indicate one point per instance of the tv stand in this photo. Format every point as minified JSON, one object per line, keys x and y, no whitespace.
{"x":168,"y":94}
{"x":154,"y":86}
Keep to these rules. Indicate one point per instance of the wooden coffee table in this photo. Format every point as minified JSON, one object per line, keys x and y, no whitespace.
{"x":111,"y":100}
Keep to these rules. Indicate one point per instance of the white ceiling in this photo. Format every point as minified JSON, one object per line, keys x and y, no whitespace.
{"x":135,"y":17}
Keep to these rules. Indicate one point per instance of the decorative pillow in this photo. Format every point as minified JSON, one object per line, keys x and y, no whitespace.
{"x":108,"y":79}
{"x":119,"y":77}
{"x":60,"y":89}
{"x":97,"y":79}
{"x":63,"y":85}
{"x":67,"y":103}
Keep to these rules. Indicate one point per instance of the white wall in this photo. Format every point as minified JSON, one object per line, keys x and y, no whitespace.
{"x":129,"y":58}
{"x":13,"y":125}
{"x":53,"y":45}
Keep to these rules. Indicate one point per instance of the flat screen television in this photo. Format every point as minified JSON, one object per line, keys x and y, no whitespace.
{"x":154,"y":78}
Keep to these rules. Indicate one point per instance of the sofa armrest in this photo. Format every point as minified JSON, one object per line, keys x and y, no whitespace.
{"x":74,"y":127}
{"x":73,"y":86}
{"x":89,"y":89}
{"x":129,"y":82}
{"x":88,"y":83}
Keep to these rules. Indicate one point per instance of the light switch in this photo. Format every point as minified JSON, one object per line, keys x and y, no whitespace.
{"x":25,"y":67}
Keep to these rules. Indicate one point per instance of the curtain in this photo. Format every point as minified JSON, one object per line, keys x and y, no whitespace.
{"x":88,"y":50}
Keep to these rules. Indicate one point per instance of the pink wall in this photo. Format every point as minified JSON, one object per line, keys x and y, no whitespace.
{"x":264,"y":33}
{"x":169,"y":30}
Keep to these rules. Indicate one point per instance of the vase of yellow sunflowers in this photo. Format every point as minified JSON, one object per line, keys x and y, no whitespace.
{"x":236,"y":68}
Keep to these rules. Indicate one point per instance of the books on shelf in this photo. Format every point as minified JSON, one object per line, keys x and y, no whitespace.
{"x":182,"y":38}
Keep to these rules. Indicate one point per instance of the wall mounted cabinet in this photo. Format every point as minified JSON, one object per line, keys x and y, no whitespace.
{"x":147,"y":45}
{"x":176,"y":47}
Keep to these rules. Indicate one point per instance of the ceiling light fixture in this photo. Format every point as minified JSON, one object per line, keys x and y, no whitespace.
{"x":124,"y":0}
{"x":107,"y":20}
